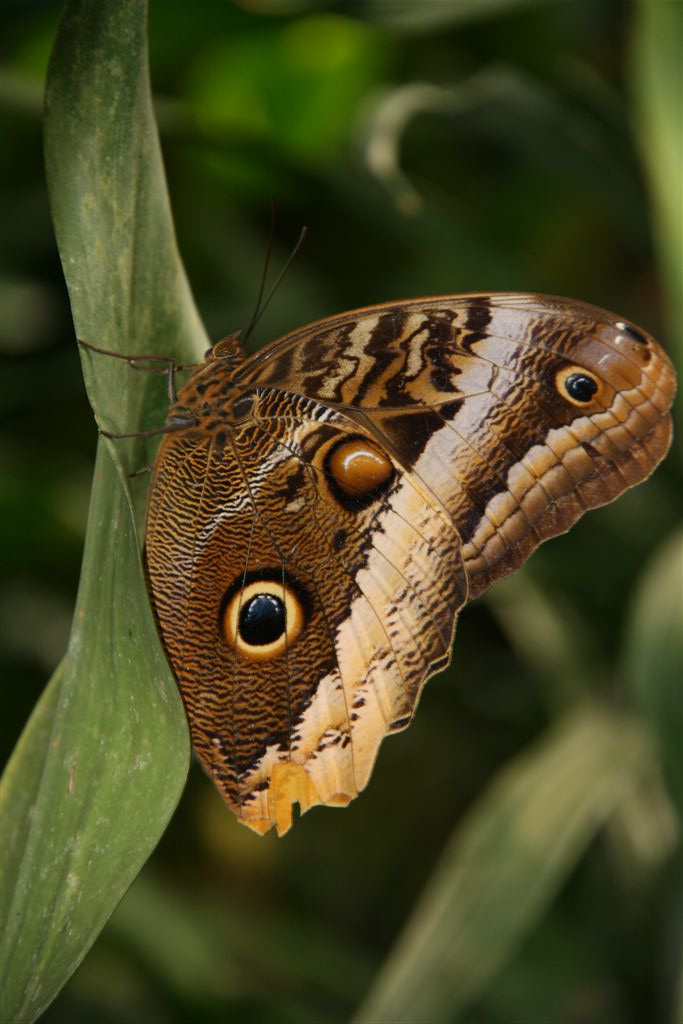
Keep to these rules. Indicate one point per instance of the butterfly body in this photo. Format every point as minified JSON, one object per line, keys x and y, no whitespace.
{"x":345,"y":491}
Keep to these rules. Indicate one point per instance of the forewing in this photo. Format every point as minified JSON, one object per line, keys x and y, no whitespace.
{"x":466,"y":391}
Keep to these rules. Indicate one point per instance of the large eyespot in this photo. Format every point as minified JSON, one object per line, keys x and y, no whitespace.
{"x":262,"y":619}
{"x":357,"y":471}
{"x":578,"y":385}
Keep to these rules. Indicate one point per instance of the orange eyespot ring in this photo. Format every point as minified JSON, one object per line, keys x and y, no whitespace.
{"x":357,"y":469}
{"x":577,"y":385}
{"x":262,"y":619}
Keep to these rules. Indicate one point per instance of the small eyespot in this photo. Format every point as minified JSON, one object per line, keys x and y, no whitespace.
{"x":636,"y":341}
{"x":578,"y":385}
{"x":357,"y":471}
{"x":632,"y":332}
{"x":262,"y":619}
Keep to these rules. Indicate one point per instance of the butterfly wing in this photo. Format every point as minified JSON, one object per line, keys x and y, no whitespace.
{"x":371,"y":579}
{"x":345,"y":491}
{"x":470,"y":395}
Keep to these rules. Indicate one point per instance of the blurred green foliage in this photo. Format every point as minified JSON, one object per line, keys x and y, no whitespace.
{"x":491,"y":146}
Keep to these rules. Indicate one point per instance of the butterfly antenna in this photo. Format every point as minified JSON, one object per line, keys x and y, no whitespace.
{"x":264,"y":274}
{"x":261,"y":304}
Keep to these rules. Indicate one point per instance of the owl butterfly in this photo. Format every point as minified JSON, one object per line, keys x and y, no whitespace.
{"x":332,"y":502}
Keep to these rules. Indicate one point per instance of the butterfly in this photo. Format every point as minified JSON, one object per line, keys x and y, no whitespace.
{"x":319,"y":513}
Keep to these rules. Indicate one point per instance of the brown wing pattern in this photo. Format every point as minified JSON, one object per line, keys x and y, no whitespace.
{"x":310,"y":542}
{"x":378,"y":588}
{"x":464,"y":390}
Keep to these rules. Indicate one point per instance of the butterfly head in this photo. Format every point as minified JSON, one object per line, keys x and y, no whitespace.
{"x":229,"y":351}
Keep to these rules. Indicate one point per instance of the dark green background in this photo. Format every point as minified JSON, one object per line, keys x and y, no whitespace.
{"x":530,"y":177}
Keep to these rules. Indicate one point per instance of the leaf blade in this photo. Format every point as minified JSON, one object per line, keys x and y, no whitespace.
{"x":505,"y":863}
{"x":102,"y":762}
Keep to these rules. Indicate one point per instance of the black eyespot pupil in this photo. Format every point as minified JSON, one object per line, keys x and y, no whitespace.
{"x":580,"y":387}
{"x":262,"y":620}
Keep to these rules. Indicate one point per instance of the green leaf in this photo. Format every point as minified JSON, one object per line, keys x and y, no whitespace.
{"x":97,"y":773}
{"x":110,"y":208}
{"x":505,"y":864}
{"x":102,"y":762}
{"x":548,"y":637}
